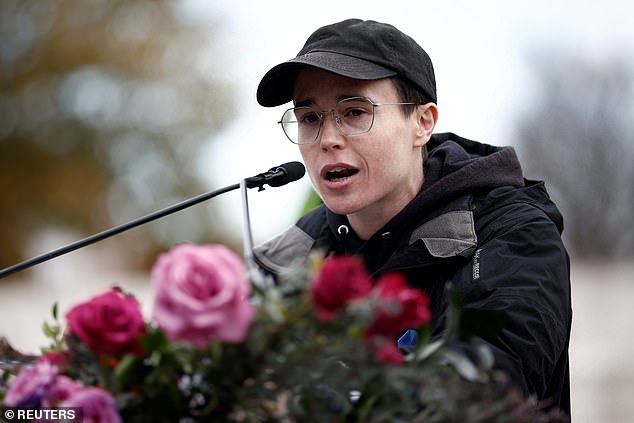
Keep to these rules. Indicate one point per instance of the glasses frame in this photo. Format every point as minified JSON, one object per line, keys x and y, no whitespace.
{"x":338,"y":122}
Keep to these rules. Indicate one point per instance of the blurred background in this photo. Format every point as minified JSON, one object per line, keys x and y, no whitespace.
{"x":111,"y":109}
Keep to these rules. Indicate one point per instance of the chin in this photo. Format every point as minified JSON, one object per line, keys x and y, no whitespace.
{"x":341,"y":207}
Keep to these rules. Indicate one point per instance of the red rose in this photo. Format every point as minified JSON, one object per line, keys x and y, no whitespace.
{"x":400,"y":307}
{"x":340,"y":280}
{"x":60,"y":359}
{"x":389,"y":353}
{"x":109,"y":323}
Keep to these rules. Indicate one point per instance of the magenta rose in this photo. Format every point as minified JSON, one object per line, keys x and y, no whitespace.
{"x":399,"y":307}
{"x":340,"y":280}
{"x":109,"y":323}
{"x":97,"y":405}
{"x":202,"y":294}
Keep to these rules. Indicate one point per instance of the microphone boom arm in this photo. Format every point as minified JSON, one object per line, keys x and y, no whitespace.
{"x":114,"y":231}
{"x":275,"y":177}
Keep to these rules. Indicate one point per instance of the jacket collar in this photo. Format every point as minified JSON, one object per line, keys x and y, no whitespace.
{"x":447,"y":235}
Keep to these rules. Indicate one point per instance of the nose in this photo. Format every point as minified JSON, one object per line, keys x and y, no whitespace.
{"x":330,"y":136}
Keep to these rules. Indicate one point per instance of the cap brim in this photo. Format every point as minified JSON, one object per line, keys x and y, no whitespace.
{"x":276,"y":87}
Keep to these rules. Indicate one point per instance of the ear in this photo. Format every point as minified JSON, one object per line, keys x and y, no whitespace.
{"x":426,"y":117}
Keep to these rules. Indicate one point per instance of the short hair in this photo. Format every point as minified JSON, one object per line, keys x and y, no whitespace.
{"x":407,"y":93}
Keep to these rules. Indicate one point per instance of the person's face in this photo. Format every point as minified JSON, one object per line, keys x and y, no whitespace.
{"x":371,"y":175}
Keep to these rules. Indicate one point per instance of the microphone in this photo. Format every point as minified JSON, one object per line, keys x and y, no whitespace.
{"x":277,"y":176}
{"x":274,"y":177}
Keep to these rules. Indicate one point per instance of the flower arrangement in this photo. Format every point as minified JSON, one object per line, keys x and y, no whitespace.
{"x":325,"y":344}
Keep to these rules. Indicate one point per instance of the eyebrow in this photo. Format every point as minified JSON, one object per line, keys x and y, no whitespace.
{"x":305,"y":103}
{"x":309,"y":102}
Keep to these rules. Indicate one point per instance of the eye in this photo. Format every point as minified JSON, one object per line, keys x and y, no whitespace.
{"x":354,"y":109}
{"x":308,"y":117}
{"x":354,"y":112}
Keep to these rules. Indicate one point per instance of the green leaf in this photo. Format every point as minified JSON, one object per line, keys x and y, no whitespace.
{"x":54,"y":310}
{"x":154,"y":340}
{"x":464,"y":366}
{"x":428,"y":350}
{"x":454,"y":312}
{"x":424,"y":335}
{"x":124,"y":370}
{"x":51,"y":331}
{"x":485,"y":356}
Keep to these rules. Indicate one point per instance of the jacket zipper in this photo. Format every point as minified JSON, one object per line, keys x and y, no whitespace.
{"x":343,"y":231}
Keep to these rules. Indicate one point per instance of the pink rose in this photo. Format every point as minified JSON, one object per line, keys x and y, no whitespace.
{"x":400,"y":307}
{"x":202,"y":294}
{"x":32,"y":386}
{"x":340,"y":280}
{"x":109,"y":323}
{"x":63,"y":388}
{"x":97,"y":405}
{"x":40,"y":385}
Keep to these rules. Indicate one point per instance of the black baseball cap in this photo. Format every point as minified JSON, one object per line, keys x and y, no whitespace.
{"x":357,"y":49}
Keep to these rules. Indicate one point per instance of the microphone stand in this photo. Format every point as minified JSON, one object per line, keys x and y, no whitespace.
{"x":247,"y":237}
{"x":113,"y":231}
{"x":256,"y":277}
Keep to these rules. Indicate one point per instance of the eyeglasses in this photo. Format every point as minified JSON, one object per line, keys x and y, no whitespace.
{"x":353,"y":116}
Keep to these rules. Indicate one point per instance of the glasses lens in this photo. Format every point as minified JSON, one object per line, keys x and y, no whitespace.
{"x":301,"y":124}
{"x":353,"y":116}
{"x":356,"y":115}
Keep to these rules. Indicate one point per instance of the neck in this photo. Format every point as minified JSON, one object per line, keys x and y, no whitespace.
{"x":368,"y":221}
{"x":365,"y":225}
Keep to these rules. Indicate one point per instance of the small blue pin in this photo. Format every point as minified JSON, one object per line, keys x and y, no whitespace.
{"x":407,"y":341}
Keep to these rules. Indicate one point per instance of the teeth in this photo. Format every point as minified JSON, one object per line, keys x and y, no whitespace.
{"x":340,"y":172}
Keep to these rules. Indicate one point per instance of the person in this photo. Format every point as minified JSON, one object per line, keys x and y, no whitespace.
{"x":436,"y":207}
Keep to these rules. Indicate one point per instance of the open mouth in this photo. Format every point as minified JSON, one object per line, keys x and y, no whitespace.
{"x":340,"y":173}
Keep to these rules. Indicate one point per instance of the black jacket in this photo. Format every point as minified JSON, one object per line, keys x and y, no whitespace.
{"x":478,"y":224}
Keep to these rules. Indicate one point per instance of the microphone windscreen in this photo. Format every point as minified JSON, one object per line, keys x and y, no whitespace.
{"x":292,"y":172}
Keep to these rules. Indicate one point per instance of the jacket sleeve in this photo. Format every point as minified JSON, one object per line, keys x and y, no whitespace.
{"x":521,"y":268}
